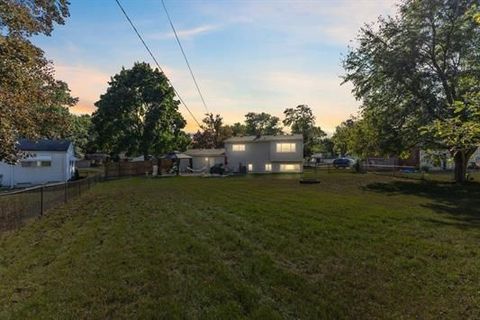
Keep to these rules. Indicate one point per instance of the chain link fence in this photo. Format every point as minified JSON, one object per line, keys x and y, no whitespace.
{"x":17,"y":207}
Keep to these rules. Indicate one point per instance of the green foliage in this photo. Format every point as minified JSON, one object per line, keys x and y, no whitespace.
{"x":238,"y":129}
{"x":29,"y":99}
{"x":410,"y":71}
{"x":262,"y":124}
{"x":342,"y":138}
{"x":461,"y":130}
{"x":213,"y":134}
{"x":302,"y":121}
{"x":54,"y":119}
{"x":81,"y":133}
{"x":325,"y":146}
{"x":22,"y":18}
{"x":139,"y":114}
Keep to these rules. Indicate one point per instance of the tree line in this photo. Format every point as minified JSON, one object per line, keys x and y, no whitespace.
{"x":139,"y":115}
{"x":299,"y":120}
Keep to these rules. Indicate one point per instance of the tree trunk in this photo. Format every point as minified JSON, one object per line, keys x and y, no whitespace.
{"x":460,"y":167}
{"x":461,"y":158}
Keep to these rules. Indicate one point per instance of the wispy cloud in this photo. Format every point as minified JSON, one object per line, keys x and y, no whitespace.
{"x":185,"y":33}
{"x":335,"y":21}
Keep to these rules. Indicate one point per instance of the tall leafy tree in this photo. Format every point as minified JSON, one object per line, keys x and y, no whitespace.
{"x":139,"y":114}
{"x":54,"y":119}
{"x":81,"y":133}
{"x":27,"y":85}
{"x":262,"y":124}
{"x":212,"y":135}
{"x":302,"y":121}
{"x":342,"y":137}
{"x":238,"y":129}
{"x":417,"y":74}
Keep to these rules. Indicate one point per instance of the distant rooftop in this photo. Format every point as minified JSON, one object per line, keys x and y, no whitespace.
{"x":43,"y":145}
{"x":290,"y":137}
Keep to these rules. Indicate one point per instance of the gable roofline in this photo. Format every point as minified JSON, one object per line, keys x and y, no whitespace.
{"x":267,"y":138}
{"x":43,"y":145}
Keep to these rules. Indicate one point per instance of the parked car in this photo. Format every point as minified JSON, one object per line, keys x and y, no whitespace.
{"x":342,"y":163}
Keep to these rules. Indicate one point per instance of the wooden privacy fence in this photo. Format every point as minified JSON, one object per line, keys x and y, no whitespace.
{"x":17,"y":207}
{"x":138,"y":168}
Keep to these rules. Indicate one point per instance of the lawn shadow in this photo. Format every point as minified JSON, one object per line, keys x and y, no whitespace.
{"x":459,"y":202}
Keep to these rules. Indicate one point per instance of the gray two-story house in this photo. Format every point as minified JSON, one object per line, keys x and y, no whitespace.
{"x":265,"y":154}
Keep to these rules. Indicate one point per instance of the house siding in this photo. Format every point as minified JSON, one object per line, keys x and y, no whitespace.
{"x":258,"y":154}
{"x":61,"y":169}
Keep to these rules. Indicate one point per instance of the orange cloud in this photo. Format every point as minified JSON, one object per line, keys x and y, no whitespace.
{"x":85,"y":83}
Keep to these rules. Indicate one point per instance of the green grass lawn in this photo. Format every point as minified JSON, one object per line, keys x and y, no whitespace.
{"x":354,"y":246}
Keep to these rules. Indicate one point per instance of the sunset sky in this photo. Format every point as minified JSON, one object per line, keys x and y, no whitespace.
{"x":248,"y":56}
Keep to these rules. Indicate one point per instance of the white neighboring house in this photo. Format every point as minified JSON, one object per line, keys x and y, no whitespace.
{"x":204,"y":159}
{"x":442,"y":160}
{"x":46,"y":161}
{"x":265,"y":154}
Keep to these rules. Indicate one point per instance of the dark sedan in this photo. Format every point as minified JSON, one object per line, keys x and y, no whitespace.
{"x":342,"y":163}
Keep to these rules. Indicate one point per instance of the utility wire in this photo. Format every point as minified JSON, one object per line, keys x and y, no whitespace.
{"x":155,"y":60}
{"x":185,"y":56}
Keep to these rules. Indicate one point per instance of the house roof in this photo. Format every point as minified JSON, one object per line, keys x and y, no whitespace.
{"x":205,"y":152}
{"x":43,"y":145}
{"x":291,"y":137}
{"x":176,"y":155}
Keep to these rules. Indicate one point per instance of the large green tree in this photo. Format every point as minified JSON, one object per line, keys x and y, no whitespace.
{"x":54,"y":119}
{"x":28,"y":90}
{"x":238,"y":129}
{"x":302,"y":121}
{"x":262,"y":124}
{"x":417,"y":75}
{"x":81,"y":133}
{"x":356,"y":137}
{"x":139,"y":114}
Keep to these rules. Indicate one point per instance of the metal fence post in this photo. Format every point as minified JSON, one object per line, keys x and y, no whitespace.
{"x":66,"y":190}
{"x":41,"y":201}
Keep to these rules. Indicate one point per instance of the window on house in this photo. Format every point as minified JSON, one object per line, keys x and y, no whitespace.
{"x":36,"y":164}
{"x":286,"y":147}
{"x":28,"y":164}
{"x":268,"y":167}
{"x":250,"y":167}
{"x":45,"y":163}
{"x":289,"y":167}
{"x":238,"y":147}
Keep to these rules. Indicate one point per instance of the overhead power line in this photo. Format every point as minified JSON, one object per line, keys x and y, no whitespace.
{"x":185,"y":56}
{"x":155,"y":60}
